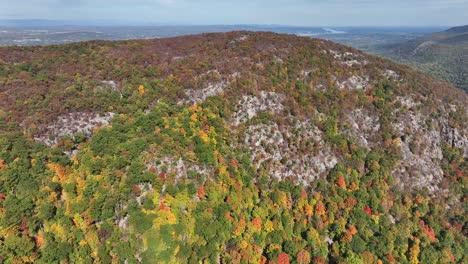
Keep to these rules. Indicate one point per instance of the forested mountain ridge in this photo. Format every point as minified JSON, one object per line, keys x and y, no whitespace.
{"x":233,"y":147}
{"x":444,"y":55}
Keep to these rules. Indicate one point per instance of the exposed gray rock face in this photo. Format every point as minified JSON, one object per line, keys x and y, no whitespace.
{"x":239,"y":39}
{"x":421,"y":154}
{"x":215,"y":86}
{"x":455,"y":137}
{"x":391,"y":75}
{"x":112,"y":85}
{"x":72,"y":123}
{"x":146,"y":188}
{"x":177,"y":167}
{"x":200,"y":95}
{"x":123,"y":222}
{"x":421,"y":139}
{"x":250,"y":105}
{"x":363,"y":126}
{"x":347,"y":58}
{"x":420,"y":136}
{"x":354,"y":83}
{"x":296,"y":150}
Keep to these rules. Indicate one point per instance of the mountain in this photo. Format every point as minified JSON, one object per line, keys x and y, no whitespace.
{"x":234,"y":147}
{"x":443,"y":55}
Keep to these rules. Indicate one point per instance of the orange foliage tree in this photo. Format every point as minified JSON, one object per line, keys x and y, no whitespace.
{"x":283,"y":258}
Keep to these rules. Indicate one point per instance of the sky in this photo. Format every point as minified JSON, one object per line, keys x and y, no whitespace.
{"x":223,"y":12}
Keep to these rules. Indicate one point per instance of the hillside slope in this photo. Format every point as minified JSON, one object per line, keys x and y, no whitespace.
{"x":228,"y":147}
{"x":443,"y":55}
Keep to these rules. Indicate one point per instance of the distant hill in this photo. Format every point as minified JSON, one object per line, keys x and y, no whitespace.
{"x":443,"y":55}
{"x":458,"y":30}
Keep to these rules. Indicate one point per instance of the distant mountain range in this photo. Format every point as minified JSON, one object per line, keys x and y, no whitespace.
{"x":443,"y":54}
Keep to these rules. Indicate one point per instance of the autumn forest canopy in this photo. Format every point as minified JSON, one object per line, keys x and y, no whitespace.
{"x":235,"y":147}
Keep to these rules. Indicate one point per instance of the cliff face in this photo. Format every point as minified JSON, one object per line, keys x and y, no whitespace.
{"x":301,"y":84}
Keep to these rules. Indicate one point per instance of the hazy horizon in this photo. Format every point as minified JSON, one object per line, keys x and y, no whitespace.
{"x":30,"y":22}
{"x":310,"y":13}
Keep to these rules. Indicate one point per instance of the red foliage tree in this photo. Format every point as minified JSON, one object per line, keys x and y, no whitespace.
{"x":163,"y":207}
{"x":162,"y":176}
{"x":367,"y":210}
{"x":234,"y":163}
{"x":283,"y":258}
{"x":201,"y":192}
{"x":303,"y":257}
{"x":428,"y":231}
{"x":318,"y":260}
{"x":229,"y":217}
{"x":257,"y":223}
{"x":24,"y":227}
{"x":340,"y":182}
{"x":390,"y":258}
{"x":320,"y":208}
{"x":136,"y":190}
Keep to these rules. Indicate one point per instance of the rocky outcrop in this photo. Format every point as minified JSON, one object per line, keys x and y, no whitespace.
{"x":250,"y":105}
{"x":347,"y":58}
{"x":296,"y":150}
{"x":354,"y":83}
{"x":213,"y":84}
{"x":421,"y":137}
{"x":455,"y":137}
{"x":363,"y":127}
{"x":70,"y":124}
{"x":391,"y":75}
{"x":112,"y":85}
{"x":200,"y":95}
{"x":175,"y":166}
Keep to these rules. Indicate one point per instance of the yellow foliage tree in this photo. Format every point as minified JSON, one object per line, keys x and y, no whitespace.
{"x":414,"y":251}
{"x":40,"y":239}
{"x":204,"y":136}
{"x":141,"y":90}
{"x":194,"y":117}
{"x":269,"y":226}
{"x":240,"y":227}
{"x":308,"y":210}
